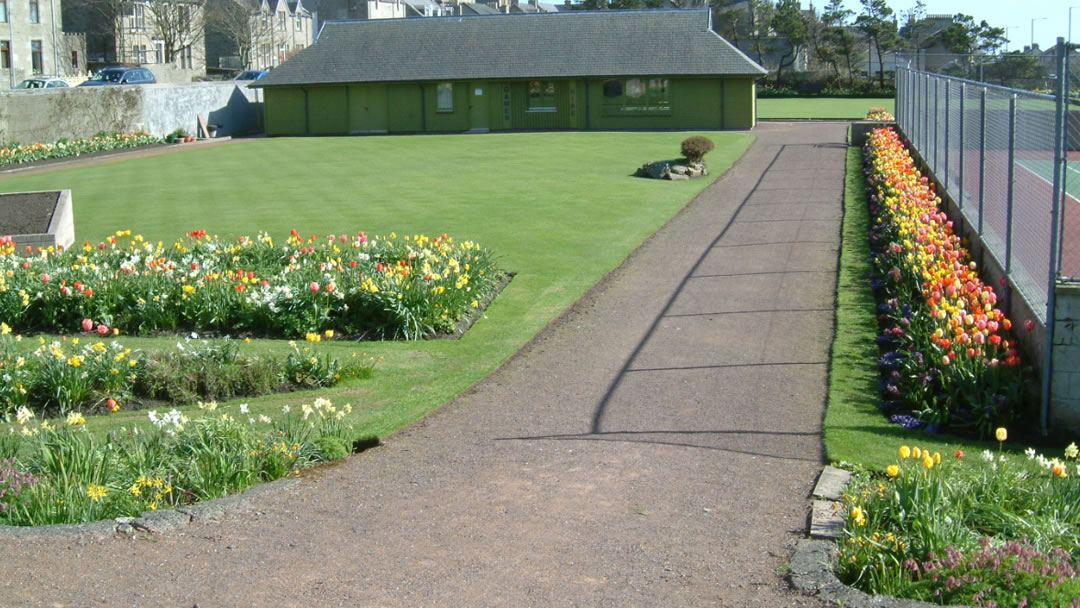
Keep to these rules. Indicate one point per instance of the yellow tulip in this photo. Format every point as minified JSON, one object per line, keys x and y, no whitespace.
{"x":927,"y":461}
{"x":892,"y":470}
{"x":905,"y":452}
{"x":1001,"y":434}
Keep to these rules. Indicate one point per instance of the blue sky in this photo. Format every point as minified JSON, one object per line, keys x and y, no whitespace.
{"x":1051,"y":16}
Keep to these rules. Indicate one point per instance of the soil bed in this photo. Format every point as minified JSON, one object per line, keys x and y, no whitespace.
{"x":26,"y":212}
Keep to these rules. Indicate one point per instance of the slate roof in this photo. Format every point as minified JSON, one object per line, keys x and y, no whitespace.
{"x":490,"y":47}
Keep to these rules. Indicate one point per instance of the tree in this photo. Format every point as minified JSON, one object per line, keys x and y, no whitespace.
{"x":843,"y":44}
{"x":233,"y":20}
{"x":176,"y":23}
{"x":103,"y":22}
{"x":877,"y":23}
{"x":749,"y":24}
{"x":966,"y":38}
{"x":916,"y":30}
{"x":789,"y":23}
{"x":1015,"y":69}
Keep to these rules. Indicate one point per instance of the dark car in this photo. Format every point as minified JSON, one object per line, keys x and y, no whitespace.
{"x":120,"y":75}
{"x":250,"y":75}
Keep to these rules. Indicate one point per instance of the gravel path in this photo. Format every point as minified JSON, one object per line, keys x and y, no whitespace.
{"x":655,"y":446}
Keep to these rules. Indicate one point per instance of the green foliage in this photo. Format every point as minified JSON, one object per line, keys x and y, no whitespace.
{"x":331,"y":448}
{"x":71,"y":475}
{"x":696,"y":147}
{"x":957,"y":529}
{"x":93,"y":376}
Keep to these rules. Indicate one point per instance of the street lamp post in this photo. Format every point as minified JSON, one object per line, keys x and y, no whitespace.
{"x":1033,"y":31}
{"x":1008,"y":40}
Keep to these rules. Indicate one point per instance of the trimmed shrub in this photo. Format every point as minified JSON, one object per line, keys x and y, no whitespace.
{"x":694,"y":148}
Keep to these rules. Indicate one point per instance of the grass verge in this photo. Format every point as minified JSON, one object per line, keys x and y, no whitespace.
{"x":842,"y":108}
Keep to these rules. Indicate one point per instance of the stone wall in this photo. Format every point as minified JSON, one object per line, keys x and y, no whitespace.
{"x":52,"y":114}
{"x":1065,"y":378}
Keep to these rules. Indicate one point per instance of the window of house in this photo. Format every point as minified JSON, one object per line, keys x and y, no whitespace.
{"x":35,"y":57}
{"x":3,"y":11}
{"x":5,"y":54}
{"x":35,"y":16}
{"x":281,"y":21}
{"x":159,"y":50}
{"x":444,"y":97}
{"x":75,"y":60}
{"x":541,"y":96}
{"x":637,"y":96}
{"x":281,"y":53}
{"x":139,"y":20}
{"x":299,"y":23}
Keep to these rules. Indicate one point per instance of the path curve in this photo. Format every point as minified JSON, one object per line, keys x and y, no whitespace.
{"x":655,"y":446}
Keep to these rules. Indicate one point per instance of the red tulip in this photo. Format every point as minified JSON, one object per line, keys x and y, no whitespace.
{"x":1029,"y":325}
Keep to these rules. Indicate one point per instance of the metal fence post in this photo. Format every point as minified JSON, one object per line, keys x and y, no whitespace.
{"x":948,"y":94}
{"x":934,"y":165}
{"x":982,"y":156}
{"x":960,"y":175}
{"x":1010,"y":190}
{"x":1060,"y":144}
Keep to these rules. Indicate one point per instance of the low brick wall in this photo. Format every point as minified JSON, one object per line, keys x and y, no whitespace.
{"x":51,"y":114}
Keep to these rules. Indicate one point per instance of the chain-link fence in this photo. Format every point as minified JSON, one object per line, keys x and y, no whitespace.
{"x":993,"y":149}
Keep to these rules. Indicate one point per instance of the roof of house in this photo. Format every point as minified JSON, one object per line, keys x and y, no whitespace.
{"x":544,"y":45}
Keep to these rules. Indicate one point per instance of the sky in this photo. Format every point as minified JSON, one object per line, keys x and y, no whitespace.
{"x":1051,"y":17}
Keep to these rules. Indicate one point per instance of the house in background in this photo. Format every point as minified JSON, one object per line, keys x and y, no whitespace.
{"x":279,"y":30}
{"x":603,"y":70}
{"x":153,"y":33}
{"x":32,"y":42}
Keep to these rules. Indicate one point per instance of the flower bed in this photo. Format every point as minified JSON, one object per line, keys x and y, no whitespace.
{"x":995,"y":530}
{"x":394,"y":287}
{"x":60,"y":473}
{"x":97,"y":374}
{"x":947,"y":360}
{"x":878,"y":113}
{"x":16,"y":153}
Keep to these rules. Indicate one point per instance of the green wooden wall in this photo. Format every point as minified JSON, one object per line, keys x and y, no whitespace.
{"x":694,"y":103}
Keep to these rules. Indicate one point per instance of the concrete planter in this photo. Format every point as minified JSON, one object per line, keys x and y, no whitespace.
{"x":46,"y":219}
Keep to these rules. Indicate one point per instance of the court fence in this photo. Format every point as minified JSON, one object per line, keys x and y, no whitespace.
{"x":999,"y":158}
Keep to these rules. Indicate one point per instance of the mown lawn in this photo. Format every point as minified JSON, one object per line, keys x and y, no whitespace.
{"x":560,"y":209}
{"x":820,"y":107}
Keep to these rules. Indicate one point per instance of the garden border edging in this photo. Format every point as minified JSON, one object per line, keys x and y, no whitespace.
{"x":812,"y":573}
{"x":153,"y":522}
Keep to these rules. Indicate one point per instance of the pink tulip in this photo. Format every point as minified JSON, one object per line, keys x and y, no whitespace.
{"x":87,"y":324}
{"x":102,"y":329}
{"x":313,"y":286}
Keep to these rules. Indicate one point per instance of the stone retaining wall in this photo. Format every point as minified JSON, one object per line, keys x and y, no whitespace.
{"x":48,"y":115}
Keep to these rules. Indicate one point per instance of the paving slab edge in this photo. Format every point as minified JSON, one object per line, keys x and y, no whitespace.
{"x":153,"y":522}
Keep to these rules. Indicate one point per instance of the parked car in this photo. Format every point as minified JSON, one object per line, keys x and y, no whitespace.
{"x":250,"y":75}
{"x":41,"y":82}
{"x":120,"y":75}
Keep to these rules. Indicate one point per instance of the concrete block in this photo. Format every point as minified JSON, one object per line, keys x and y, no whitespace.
{"x":831,"y":483}
{"x":827,"y":519}
{"x":60,"y":228}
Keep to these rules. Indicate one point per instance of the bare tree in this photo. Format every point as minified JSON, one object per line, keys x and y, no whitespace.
{"x":176,"y":23}
{"x":237,"y":22}
{"x":102,"y":21}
